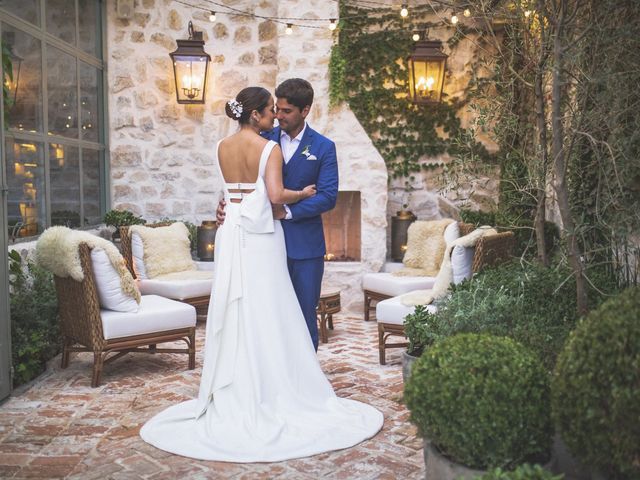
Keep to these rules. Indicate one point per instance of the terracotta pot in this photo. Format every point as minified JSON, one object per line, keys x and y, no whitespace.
{"x":440,"y":467}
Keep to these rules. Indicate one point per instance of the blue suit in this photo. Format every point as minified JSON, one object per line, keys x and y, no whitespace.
{"x":303,"y":234}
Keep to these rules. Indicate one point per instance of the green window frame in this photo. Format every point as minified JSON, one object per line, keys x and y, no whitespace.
{"x":57,"y":170}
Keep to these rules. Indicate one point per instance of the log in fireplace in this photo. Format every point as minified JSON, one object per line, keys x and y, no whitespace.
{"x":342,"y":228}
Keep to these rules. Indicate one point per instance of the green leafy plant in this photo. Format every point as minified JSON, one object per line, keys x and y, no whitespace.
{"x":482,"y":400}
{"x":522,"y":472}
{"x":7,"y":69}
{"x":423,"y":329}
{"x":596,"y":388}
{"x":35,"y":333}
{"x":530,"y":303}
{"x":120,"y":218}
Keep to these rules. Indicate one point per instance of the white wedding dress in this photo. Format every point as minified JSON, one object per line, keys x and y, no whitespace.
{"x":263,"y":396}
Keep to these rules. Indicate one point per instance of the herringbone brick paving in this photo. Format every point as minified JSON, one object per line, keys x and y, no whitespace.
{"x":60,"y":427}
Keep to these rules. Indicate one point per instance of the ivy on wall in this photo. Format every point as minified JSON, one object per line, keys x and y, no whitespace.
{"x":368,"y":70}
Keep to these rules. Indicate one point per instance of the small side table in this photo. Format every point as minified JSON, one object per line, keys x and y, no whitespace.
{"x":328,"y":304}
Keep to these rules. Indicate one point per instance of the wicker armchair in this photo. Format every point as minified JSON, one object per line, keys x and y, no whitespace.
{"x":200,"y":302}
{"x":81,"y":324}
{"x":490,"y":250}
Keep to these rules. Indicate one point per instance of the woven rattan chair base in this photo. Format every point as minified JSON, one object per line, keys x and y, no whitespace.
{"x":386,"y":330}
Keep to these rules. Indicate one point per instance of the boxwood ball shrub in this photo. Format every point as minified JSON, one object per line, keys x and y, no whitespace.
{"x":596,"y":388}
{"x":482,"y":400}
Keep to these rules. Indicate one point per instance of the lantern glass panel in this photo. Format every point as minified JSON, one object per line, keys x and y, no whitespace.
{"x":190,"y":75}
{"x":426,"y":80}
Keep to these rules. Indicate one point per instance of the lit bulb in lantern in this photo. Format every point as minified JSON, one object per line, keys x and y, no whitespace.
{"x":333,"y":24}
{"x":212,"y":16}
{"x":416,"y":37}
{"x":454,"y":19}
{"x":425,"y":83}
{"x":289,"y":29}
{"x":404,"y":11}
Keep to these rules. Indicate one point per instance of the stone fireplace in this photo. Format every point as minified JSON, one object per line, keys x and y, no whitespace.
{"x":342,"y":229}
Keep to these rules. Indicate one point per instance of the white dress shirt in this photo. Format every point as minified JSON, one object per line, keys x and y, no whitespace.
{"x":289,"y":146}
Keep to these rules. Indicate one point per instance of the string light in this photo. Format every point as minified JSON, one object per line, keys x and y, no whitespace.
{"x":454,"y":19}
{"x":333,"y":24}
{"x":289,"y":29}
{"x":404,"y":11}
{"x":467,"y":12}
{"x":212,"y":16}
{"x":527,"y":13}
{"x":415,"y":37}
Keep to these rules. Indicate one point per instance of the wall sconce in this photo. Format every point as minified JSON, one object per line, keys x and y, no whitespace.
{"x":190,"y":63}
{"x":206,"y":240}
{"x":426,"y":71}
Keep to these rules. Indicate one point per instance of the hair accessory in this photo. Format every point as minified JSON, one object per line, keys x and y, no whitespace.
{"x":236,"y":108}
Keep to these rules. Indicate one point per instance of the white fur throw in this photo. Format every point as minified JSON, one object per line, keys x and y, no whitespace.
{"x":166,"y":249}
{"x":57,"y":251}
{"x":445,"y":275}
{"x":425,"y":246}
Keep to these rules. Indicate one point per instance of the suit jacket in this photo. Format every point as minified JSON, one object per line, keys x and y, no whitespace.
{"x":303,"y":234}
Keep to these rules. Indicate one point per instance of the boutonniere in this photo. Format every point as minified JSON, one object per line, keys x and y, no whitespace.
{"x":308,"y":154}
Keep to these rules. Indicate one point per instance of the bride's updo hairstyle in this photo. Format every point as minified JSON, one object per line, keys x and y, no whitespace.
{"x":248,"y":100}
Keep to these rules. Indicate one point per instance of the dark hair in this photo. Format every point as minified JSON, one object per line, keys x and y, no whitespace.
{"x":251,"y":98}
{"x":296,"y":91}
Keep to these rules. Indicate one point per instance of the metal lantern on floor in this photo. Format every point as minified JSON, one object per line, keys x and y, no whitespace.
{"x":206,"y":240}
{"x":190,"y":64}
{"x":427,"y":65}
{"x":399,"y":226}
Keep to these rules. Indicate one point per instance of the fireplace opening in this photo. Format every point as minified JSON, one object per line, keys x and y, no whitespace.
{"x":342,"y":229}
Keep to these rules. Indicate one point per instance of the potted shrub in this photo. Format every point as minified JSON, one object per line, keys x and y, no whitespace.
{"x":480,"y":402}
{"x":422,"y":330}
{"x":521,"y":472}
{"x":121,"y":218}
{"x":596,"y":388}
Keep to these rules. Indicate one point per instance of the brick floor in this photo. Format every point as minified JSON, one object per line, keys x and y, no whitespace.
{"x":60,"y":427}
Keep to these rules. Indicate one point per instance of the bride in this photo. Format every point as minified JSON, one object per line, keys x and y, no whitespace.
{"x":263,"y":396}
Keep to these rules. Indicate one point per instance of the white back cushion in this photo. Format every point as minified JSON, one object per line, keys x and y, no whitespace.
{"x":108,"y":284}
{"x":451,"y":233}
{"x":461,"y":263}
{"x":137,"y":254}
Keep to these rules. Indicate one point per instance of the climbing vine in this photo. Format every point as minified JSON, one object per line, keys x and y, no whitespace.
{"x":368,"y":70}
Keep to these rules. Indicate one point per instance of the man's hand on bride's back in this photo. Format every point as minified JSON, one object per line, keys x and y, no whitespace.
{"x":278,"y":211}
{"x":309,"y":191}
{"x":220,"y":212}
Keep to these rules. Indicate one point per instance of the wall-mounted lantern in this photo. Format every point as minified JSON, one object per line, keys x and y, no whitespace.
{"x":426,"y":71}
{"x":190,"y":63}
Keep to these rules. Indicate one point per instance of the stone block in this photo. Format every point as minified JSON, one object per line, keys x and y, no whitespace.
{"x":174,"y":21}
{"x":126,"y":156}
{"x":267,"y":30}
{"x":164,"y":40}
{"x":268,"y":55}
{"x":220,"y":31}
{"x":242,"y":35}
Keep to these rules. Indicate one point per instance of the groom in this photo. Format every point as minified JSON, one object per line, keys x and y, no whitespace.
{"x":309,"y":158}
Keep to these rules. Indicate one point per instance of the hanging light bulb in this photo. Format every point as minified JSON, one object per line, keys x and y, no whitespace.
{"x":289,"y":29}
{"x":454,"y":19}
{"x":212,"y":16}
{"x":415,"y":37}
{"x":404,"y":11}
{"x":333,"y":24}
{"x":467,"y":12}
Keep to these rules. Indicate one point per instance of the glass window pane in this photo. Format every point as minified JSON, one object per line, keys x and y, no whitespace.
{"x":25,"y":179}
{"x":28,"y":10}
{"x":64,"y":173}
{"x":90,"y":27}
{"x":92,"y":180}
{"x":62,"y":84}
{"x":90,"y":114}
{"x":61,"y":19}
{"x":23,"y":101}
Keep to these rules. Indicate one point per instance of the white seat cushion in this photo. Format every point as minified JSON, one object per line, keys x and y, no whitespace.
{"x":390,"y":267}
{"x":393,"y":311}
{"x":176,"y":289}
{"x":155,"y":314}
{"x":109,"y":285}
{"x":137,"y":255}
{"x":392,"y":285}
